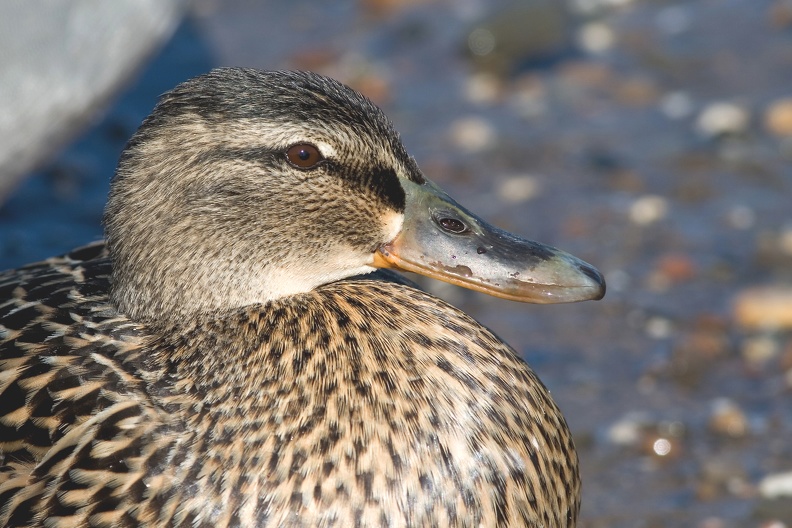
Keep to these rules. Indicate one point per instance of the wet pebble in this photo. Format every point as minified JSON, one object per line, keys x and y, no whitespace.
{"x":728,"y":419}
{"x":775,"y":499}
{"x":628,"y":430}
{"x":586,"y":74}
{"x":774,"y":524}
{"x":676,"y":105}
{"x":665,"y":440}
{"x":483,"y":88}
{"x":721,"y":475}
{"x":520,"y":32}
{"x":637,"y":91}
{"x":648,"y":209}
{"x":780,"y":14}
{"x":778,"y":117}
{"x":660,"y":440}
{"x":764,"y":308}
{"x":776,"y":485}
{"x":595,"y":37}
{"x":774,"y":247}
{"x":529,"y":96}
{"x":472,"y":134}
{"x":721,"y":118}
{"x":758,"y":351}
{"x":741,"y":217}
{"x":671,"y":269}
{"x":695,"y":349}
{"x":659,"y":328}
{"x":518,"y":189}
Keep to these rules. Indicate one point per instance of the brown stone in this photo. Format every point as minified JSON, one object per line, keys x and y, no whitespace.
{"x":778,"y":117}
{"x":764,"y":308}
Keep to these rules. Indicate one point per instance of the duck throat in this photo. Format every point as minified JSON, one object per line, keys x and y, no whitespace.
{"x":170,"y":289}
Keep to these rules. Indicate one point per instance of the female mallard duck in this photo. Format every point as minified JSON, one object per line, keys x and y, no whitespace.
{"x":217,"y":364}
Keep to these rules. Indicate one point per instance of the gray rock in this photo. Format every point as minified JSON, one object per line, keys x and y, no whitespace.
{"x":61,"y":62}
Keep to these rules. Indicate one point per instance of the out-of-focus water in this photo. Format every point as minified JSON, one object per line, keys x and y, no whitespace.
{"x":648,"y":137}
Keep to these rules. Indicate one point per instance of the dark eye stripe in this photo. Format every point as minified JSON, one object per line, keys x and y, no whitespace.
{"x":381,"y":182}
{"x":385,"y":184}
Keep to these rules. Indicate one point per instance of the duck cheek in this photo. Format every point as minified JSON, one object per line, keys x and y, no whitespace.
{"x":392,"y":223}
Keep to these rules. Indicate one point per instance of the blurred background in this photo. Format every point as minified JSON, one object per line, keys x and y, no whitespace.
{"x":653,"y":138}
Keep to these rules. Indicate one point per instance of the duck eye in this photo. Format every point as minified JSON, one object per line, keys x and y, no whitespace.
{"x":304,"y":155}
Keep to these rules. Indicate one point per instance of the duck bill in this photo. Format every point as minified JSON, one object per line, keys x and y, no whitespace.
{"x":441,"y":239}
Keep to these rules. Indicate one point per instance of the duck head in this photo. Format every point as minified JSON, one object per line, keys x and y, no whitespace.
{"x":245,"y":186}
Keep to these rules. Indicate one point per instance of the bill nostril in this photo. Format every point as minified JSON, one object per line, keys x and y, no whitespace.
{"x":452,"y":225}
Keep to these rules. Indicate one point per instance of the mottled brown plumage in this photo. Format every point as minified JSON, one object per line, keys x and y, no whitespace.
{"x":169,"y":382}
